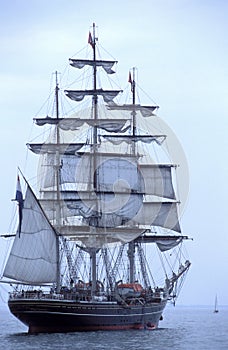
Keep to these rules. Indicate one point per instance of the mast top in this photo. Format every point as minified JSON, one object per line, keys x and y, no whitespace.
{"x":131,"y":80}
{"x":56,"y":94}
{"x":92,"y":38}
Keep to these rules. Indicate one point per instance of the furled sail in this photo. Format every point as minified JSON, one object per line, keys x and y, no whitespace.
{"x":33,"y":258}
{"x":43,"y":148}
{"x":106,"y":65}
{"x":78,"y":95}
{"x":111,"y":125}
{"x":159,"y":139}
{"x":146,"y":111}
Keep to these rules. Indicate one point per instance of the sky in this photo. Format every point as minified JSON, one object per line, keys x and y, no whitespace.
{"x":180,"y":49}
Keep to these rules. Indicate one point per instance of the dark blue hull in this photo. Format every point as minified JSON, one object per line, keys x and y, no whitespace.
{"x":49,"y":316}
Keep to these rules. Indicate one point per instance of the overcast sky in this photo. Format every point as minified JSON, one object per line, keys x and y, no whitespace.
{"x":180,"y":48}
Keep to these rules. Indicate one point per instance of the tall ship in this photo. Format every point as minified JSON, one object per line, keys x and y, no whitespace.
{"x":98,"y":243}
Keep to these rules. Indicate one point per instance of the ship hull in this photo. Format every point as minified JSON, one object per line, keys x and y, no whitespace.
{"x":52,"y":316}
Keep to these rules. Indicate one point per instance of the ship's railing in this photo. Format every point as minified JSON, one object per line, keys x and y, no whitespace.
{"x":53,"y":296}
{"x":34,"y":295}
{"x":157,"y":295}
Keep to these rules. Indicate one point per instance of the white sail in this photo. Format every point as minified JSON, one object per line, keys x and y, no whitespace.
{"x":78,"y":95}
{"x":121,"y":197}
{"x":163,"y":214}
{"x":52,"y":148}
{"x":75,"y":168}
{"x":106,"y":65}
{"x":158,"y":180}
{"x":146,"y":111}
{"x":113,"y":125}
{"x":33,"y":258}
{"x":168,"y":244}
{"x":116,"y":140}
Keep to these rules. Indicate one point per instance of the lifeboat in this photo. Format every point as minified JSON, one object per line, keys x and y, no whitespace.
{"x":127,"y":290}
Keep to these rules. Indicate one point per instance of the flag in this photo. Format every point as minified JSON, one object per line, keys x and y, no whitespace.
{"x":132,"y":82}
{"x":129,"y":78}
{"x":19,"y":199}
{"x":90,"y":40}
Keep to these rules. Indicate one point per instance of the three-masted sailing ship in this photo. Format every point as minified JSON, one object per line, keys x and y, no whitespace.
{"x":87,"y":247}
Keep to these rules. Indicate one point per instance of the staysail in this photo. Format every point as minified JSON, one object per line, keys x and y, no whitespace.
{"x":33,"y":258}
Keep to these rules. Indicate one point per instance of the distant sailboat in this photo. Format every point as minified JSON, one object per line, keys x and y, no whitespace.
{"x":216,"y":305}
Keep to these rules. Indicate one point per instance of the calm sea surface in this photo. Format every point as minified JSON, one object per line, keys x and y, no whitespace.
{"x":193,"y":328}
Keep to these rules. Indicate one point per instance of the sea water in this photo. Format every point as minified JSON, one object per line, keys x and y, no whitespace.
{"x":183,"y":328}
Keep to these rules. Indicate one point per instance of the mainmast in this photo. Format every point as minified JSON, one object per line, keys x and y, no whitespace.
{"x":108,"y":96}
{"x":95,"y":105}
{"x":93,"y":251}
{"x":58,"y":167}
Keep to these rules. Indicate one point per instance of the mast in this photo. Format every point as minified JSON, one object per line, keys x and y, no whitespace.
{"x":131,"y":245}
{"x":134,"y":111}
{"x":93,"y":251}
{"x":58,"y":166}
{"x":95,"y":112}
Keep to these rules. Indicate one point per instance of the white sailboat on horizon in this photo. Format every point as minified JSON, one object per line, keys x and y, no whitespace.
{"x":216,"y":305}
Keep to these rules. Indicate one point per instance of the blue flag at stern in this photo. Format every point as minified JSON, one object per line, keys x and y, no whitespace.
{"x":19,"y":199}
